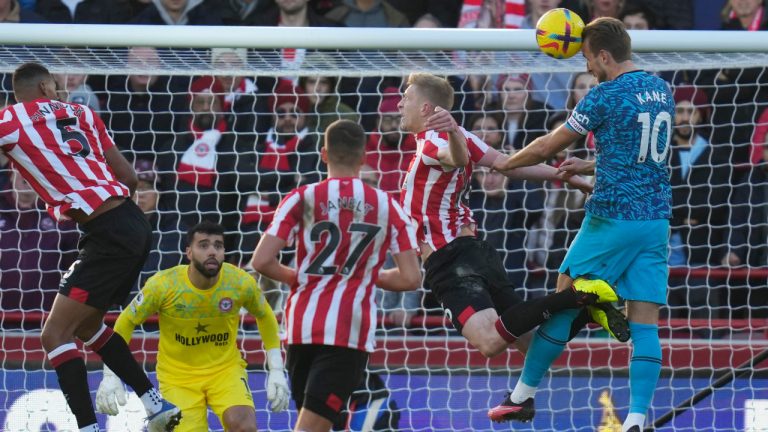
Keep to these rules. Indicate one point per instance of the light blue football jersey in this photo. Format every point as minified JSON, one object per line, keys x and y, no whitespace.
{"x":631,"y":118}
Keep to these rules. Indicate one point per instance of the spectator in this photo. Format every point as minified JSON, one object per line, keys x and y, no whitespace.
{"x":180,"y":12}
{"x":141,"y":108}
{"x":75,"y":90}
{"x":489,"y":127}
{"x":239,"y":12}
{"x":368,"y":13}
{"x":12,"y":12}
{"x":202,"y":159}
{"x":548,"y":88}
{"x":85,"y":11}
{"x":525,"y":118}
{"x":446,"y":12}
{"x":637,"y":16}
{"x":34,"y":251}
{"x":745,"y":15}
{"x":389,"y":151}
{"x":326,"y":107}
{"x":286,"y":154}
{"x":602,"y":8}
{"x":700,"y":188}
{"x":167,"y":230}
{"x":239,"y":98}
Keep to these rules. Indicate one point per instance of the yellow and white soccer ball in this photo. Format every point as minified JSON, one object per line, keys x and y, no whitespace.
{"x":558,"y":33}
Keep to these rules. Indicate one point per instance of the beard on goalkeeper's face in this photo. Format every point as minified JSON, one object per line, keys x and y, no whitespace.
{"x":208,"y":268}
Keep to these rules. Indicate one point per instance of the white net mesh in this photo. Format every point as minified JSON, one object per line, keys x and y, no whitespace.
{"x":159,"y":106}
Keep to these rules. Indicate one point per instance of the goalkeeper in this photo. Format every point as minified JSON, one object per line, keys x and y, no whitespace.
{"x":198,"y":363}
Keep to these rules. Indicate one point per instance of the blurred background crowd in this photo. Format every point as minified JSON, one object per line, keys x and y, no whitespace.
{"x":227,"y":148}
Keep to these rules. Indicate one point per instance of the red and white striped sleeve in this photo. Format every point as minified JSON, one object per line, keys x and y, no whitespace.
{"x":287,"y":217}
{"x":401,"y":229}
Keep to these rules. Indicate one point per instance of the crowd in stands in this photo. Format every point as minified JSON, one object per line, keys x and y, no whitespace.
{"x":227,"y":148}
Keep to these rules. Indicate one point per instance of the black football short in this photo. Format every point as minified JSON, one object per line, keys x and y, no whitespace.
{"x":467,"y":276}
{"x":112,"y":251}
{"x":323,"y":377}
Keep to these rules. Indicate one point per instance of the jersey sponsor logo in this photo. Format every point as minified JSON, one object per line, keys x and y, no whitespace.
{"x":581,"y":118}
{"x":217,"y":339}
{"x":225,"y":305}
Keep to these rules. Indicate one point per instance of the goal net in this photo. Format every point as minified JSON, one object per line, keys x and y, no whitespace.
{"x":223,"y":133}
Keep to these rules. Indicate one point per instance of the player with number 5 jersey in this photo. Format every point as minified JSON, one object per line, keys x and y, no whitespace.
{"x":343,"y":230}
{"x":624,"y":237}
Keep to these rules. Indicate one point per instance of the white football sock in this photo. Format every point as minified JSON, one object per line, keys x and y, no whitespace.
{"x":633,"y":419}
{"x":522,"y":392}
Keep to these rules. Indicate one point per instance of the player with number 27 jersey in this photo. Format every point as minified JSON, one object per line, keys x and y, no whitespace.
{"x":343,"y":229}
{"x":631,"y":117}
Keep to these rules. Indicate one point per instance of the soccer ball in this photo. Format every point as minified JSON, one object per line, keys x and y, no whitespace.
{"x":558,"y":33}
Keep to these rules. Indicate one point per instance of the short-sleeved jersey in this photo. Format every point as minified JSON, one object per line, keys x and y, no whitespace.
{"x":59,"y":150}
{"x":631,"y":118}
{"x":342,"y":229}
{"x":198,"y":328}
{"x":434,"y":195}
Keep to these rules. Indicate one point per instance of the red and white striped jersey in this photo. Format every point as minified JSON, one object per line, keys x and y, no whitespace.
{"x":59,"y":150}
{"x":343,"y":229}
{"x":433,"y":195}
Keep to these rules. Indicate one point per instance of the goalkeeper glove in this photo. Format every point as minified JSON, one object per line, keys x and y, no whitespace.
{"x":277,"y":386}
{"x":111,"y":392}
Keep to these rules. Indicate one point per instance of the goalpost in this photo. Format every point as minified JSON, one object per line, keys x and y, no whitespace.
{"x":716,"y":320}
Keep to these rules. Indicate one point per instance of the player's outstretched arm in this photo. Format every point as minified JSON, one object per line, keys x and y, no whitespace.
{"x":541,"y":149}
{"x":265,"y":260}
{"x":457,"y":154}
{"x":406,"y":276}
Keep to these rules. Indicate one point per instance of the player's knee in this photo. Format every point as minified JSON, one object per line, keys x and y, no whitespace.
{"x":489,"y":345}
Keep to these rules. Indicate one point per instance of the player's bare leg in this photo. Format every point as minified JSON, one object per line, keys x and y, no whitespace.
{"x":240,"y":418}
{"x":480,"y":331}
{"x":310,"y":421}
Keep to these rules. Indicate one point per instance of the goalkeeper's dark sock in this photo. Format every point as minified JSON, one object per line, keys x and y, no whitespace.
{"x":644,"y":367}
{"x":73,"y":381}
{"x":546,"y":346}
{"x":524,"y":317}
{"x":118,"y":357}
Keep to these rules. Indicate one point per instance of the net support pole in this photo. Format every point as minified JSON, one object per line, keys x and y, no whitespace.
{"x":726,"y":378}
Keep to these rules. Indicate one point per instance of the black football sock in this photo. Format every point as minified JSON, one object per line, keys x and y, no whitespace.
{"x":73,"y":381}
{"x":118,"y":357}
{"x":525,"y":316}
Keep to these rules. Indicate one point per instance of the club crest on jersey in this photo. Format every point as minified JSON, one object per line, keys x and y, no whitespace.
{"x":225,"y":305}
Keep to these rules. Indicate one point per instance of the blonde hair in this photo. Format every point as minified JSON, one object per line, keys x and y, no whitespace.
{"x":438,"y":91}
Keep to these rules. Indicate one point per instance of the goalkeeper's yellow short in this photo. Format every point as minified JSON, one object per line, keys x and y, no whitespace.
{"x":218,"y":391}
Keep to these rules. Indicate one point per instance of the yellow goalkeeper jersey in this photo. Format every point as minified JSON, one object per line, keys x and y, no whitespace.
{"x":198,"y":328}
